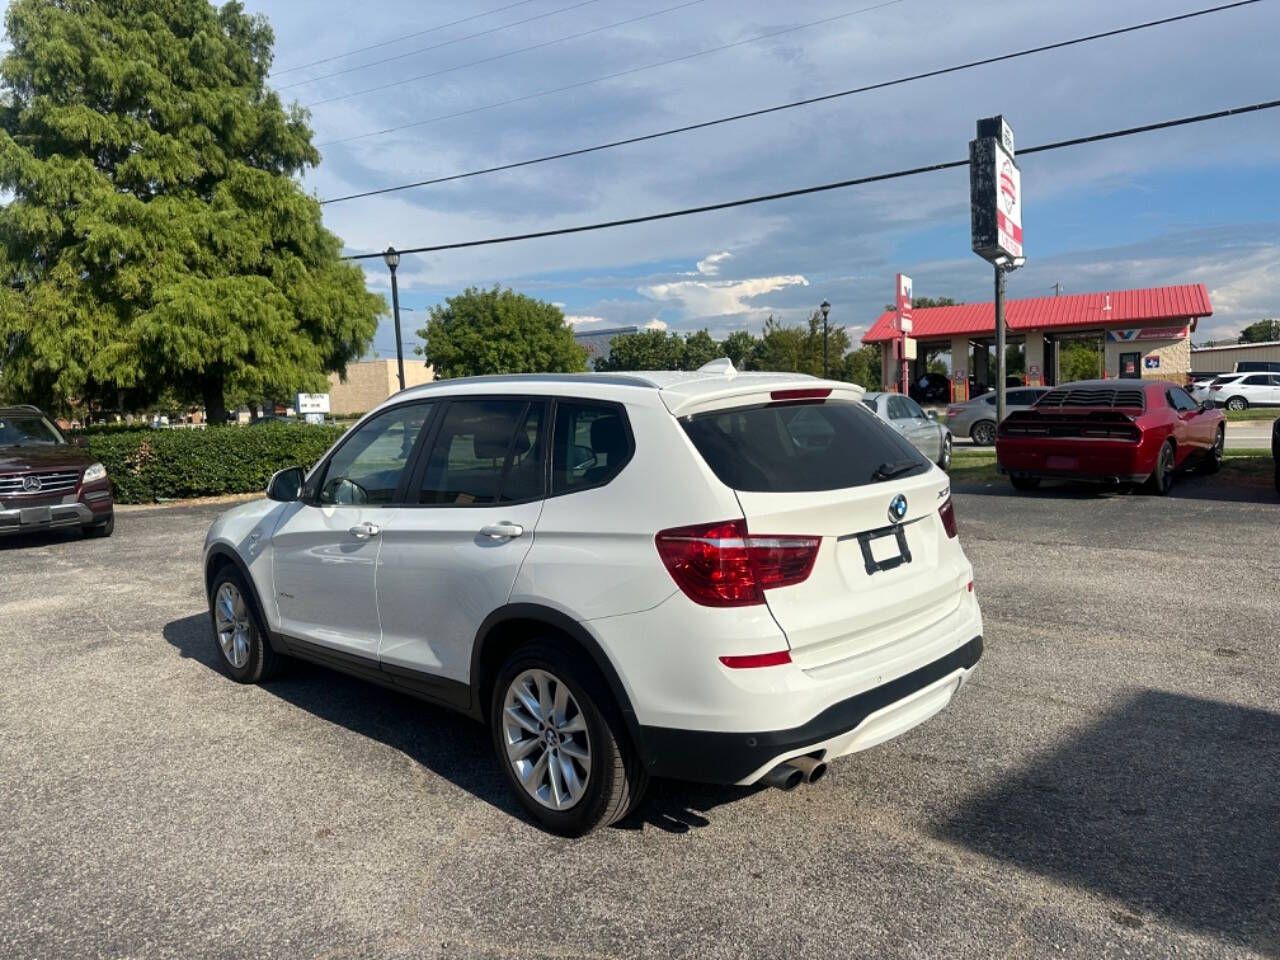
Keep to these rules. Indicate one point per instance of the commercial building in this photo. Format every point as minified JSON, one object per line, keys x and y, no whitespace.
{"x":1224,"y":359}
{"x":1142,"y":334}
{"x":369,"y":382}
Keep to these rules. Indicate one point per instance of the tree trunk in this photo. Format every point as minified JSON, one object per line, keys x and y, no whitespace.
{"x":215,"y":405}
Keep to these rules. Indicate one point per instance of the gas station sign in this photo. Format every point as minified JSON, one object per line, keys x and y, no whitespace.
{"x":995,"y":192}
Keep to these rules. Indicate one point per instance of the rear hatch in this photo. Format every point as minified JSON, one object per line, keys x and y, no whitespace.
{"x":887,"y":572}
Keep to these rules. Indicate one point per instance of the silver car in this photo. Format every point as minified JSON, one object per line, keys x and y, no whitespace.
{"x":922,"y":431}
{"x":976,"y":418}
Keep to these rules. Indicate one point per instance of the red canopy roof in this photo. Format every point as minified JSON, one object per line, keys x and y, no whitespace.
{"x":1152,"y":306}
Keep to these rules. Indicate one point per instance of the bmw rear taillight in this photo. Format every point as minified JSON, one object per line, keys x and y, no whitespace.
{"x":722,"y":565}
{"x":948,"y":514}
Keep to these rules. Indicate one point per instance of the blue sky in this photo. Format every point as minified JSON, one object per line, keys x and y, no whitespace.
{"x":1197,"y":204}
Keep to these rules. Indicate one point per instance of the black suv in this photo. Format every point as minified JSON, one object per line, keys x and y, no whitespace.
{"x":46,"y":481}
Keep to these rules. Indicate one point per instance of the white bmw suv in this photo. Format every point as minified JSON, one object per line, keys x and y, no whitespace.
{"x":715,"y":576}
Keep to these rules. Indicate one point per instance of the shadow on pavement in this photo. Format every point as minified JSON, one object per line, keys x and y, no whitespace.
{"x":1245,"y":489}
{"x":444,"y":742}
{"x":1170,"y":804}
{"x":40,"y":538}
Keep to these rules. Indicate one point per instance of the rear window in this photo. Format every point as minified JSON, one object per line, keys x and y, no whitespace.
{"x":790,"y":448}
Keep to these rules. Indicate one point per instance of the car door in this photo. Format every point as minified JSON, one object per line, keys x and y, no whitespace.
{"x":325,"y":548}
{"x":451,"y":558}
{"x":1275,"y":390}
{"x":925,"y":435}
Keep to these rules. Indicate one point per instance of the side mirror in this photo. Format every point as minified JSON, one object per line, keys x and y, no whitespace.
{"x":81,"y":442}
{"x":931,"y":414}
{"x":286,"y":485}
{"x":1206,"y":406}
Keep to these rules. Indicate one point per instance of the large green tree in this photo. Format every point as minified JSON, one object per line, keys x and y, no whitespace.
{"x":157,"y":237}
{"x":499,"y":331}
{"x":1261,"y":331}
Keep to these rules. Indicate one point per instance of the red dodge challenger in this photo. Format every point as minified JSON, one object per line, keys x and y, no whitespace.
{"x":1111,"y":431}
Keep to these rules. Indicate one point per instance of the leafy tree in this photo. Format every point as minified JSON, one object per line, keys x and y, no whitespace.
{"x":156,"y":236}
{"x":923,"y":303}
{"x":741,"y":348}
{"x":1078,"y":360}
{"x":799,"y":349}
{"x":862,"y":367}
{"x":1263,"y":331}
{"x":699,"y":349}
{"x":498,"y":331}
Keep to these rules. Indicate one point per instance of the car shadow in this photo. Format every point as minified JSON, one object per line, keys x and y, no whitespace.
{"x":1247,"y":489}
{"x":40,"y":538}
{"x":445,"y":742}
{"x":1169,"y":804}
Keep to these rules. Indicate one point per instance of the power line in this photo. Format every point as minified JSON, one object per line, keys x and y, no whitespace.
{"x":509,"y":53}
{"x":774,"y":109}
{"x":821,"y":188}
{"x":621,"y":73}
{"x":401,"y":39}
{"x":437,"y":46}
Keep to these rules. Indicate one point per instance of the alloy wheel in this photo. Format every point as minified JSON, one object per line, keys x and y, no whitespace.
{"x":233,"y":623}
{"x":545,"y":734}
{"x":984,"y":434}
{"x":945,"y":461}
{"x":1166,"y":468}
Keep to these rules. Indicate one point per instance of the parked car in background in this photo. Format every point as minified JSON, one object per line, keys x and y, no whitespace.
{"x":1255,"y":366}
{"x":976,"y":418}
{"x":1242,"y":391}
{"x":1117,"y":431}
{"x":931,"y":388}
{"x":1198,"y":386}
{"x":720,"y":576}
{"x":922,"y":430}
{"x":48,"y":482}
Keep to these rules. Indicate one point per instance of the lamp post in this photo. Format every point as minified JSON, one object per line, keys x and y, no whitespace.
{"x":391,"y":257}
{"x":825,"y":307}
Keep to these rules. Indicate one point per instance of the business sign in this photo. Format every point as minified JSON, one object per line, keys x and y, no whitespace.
{"x":908,"y":348}
{"x":312,"y":403}
{"x":995,"y":192}
{"x":1146,"y":333}
{"x":1152,"y":362}
{"x":902,"y":313}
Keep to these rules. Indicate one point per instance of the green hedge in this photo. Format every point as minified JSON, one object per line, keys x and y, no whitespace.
{"x":149,"y":465}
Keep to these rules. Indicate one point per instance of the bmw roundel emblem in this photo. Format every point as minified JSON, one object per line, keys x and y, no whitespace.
{"x":898,"y":508}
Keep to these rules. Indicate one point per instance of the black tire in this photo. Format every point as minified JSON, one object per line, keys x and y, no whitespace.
{"x":616,"y":779}
{"x":103,"y":529}
{"x":1022,"y":482}
{"x":983,"y":433}
{"x":1161,"y":480}
{"x":1212,"y":462}
{"x":260,"y":661}
{"x":945,"y":460}
{"x":1237,"y":403}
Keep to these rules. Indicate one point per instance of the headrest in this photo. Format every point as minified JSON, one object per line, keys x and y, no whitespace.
{"x":491,"y":441}
{"x":608,"y":437}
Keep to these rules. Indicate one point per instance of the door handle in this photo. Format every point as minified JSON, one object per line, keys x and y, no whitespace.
{"x":363,"y":531}
{"x":502,"y":531}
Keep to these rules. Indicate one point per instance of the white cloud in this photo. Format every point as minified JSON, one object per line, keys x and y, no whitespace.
{"x":575,"y":320}
{"x":719,"y":298}
{"x":655,"y":324}
{"x":710,"y":266}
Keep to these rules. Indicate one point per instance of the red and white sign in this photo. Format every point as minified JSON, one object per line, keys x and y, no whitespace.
{"x":1008,"y":203}
{"x":1146,"y":333}
{"x":902,"y":318}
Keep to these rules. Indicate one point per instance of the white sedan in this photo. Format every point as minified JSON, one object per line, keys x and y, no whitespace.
{"x":922,"y":430}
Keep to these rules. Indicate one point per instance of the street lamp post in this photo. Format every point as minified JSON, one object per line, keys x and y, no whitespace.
{"x":825,"y":307}
{"x":392,"y":259}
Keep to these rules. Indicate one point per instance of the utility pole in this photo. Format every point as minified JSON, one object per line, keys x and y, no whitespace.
{"x":1000,"y":337}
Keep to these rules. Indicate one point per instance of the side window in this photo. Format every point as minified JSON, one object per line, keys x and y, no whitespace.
{"x":367,"y":468}
{"x":592,"y":444}
{"x":1256,"y":380}
{"x":897,"y":408}
{"x":991,"y":400}
{"x":486,"y":451}
{"x":1182,"y":400}
{"x":913,"y":409}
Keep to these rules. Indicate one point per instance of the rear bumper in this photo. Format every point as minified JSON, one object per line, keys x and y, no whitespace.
{"x":850,"y":725}
{"x":1097,"y":460}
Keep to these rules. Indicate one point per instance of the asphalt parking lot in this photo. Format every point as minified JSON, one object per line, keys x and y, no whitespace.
{"x":1107,"y":786}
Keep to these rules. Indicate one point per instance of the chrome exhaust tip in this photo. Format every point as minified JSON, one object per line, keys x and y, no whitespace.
{"x":784,"y":777}
{"x":813,"y":769}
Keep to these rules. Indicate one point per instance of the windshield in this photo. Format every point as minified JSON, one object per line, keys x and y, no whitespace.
{"x":28,"y":430}
{"x":794,"y":447}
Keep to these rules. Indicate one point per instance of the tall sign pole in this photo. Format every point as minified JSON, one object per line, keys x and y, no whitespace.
{"x":995,"y":204}
{"x":902,"y":324}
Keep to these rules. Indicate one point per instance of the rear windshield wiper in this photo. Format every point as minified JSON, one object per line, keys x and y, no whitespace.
{"x":893,"y":468}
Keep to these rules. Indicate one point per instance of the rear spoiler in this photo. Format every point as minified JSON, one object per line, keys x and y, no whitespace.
{"x":758,"y":391}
